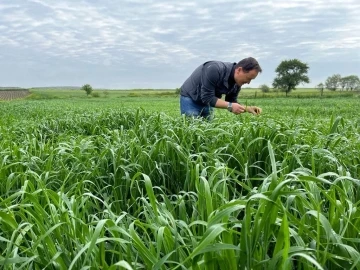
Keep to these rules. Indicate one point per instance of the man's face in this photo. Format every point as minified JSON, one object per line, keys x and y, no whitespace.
{"x":242,"y":77}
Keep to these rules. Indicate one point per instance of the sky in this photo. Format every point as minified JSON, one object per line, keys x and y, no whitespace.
{"x":129,"y":44}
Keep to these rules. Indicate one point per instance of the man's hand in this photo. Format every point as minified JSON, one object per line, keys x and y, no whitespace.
{"x":237,"y":108}
{"x":254,"y":110}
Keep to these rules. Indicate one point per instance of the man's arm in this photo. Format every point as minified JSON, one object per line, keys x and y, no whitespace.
{"x":209,"y":77}
{"x":236,"y":107}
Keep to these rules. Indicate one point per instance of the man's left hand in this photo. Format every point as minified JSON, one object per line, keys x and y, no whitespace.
{"x":254,"y":110}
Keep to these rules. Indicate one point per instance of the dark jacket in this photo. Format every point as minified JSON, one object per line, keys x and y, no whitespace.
{"x":209,"y":82}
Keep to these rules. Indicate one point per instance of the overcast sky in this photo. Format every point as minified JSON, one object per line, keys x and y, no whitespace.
{"x":126,"y":44}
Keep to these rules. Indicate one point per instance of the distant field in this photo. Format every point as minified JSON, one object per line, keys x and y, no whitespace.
{"x":246,"y":92}
{"x":56,"y":93}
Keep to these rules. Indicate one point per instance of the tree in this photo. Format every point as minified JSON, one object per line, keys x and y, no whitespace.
{"x":333,"y":82}
{"x":264,"y":88}
{"x":290,"y":73}
{"x":320,"y":87}
{"x":352,"y":82}
{"x":87,"y":88}
{"x":343,"y":83}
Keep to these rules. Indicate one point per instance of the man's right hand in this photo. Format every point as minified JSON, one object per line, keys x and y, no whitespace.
{"x":237,"y":108}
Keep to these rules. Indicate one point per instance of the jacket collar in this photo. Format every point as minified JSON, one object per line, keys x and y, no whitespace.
{"x":229,"y":67}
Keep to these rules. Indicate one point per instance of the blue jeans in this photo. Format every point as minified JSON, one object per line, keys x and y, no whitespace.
{"x":190,"y":108}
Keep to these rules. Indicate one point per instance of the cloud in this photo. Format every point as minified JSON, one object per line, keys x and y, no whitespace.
{"x":159,"y":34}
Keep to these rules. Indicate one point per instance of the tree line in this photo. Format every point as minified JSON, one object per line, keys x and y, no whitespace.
{"x":291,"y":73}
{"x":335,"y":82}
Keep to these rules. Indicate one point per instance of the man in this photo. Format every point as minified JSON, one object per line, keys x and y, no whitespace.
{"x":203,"y":90}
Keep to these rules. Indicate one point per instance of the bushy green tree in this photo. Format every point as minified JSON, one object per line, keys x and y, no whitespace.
{"x":290,"y":73}
{"x":264,"y":88}
{"x":333,"y":82}
{"x":87,"y":88}
{"x":351,"y":82}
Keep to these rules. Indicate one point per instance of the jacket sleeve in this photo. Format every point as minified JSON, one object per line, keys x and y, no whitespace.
{"x":209,"y":79}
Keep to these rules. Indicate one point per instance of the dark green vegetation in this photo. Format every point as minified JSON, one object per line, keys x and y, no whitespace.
{"x":348,"y":83}
{"x":126,"y":183}
{"x":87,"y":88}
{"x":289,"y":74}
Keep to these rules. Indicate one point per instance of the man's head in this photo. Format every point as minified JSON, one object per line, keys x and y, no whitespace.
{"x":246,"y":70}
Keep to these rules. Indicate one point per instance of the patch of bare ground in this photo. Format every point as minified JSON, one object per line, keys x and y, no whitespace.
{"x":13,"y":94}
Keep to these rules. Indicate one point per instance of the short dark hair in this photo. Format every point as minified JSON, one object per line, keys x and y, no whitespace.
{"x":248,"y":64}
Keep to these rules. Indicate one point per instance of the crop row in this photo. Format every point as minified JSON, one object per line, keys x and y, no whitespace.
{"x":9,"y":95}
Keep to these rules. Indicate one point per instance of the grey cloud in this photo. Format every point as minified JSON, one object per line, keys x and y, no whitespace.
{"x":177,"y":36}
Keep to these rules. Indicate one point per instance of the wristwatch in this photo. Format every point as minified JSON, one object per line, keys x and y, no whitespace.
{"x":229,"y":107}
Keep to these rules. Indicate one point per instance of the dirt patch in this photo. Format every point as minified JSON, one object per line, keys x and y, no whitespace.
{"x":13,"y":94}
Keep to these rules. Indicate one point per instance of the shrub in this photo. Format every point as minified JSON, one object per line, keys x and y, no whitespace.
{"x":264,"y":88}
{"x":87,"y":88}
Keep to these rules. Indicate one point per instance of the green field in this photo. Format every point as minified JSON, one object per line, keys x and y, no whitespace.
{"x":246,"y":92}
{"x":123,"y":181}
